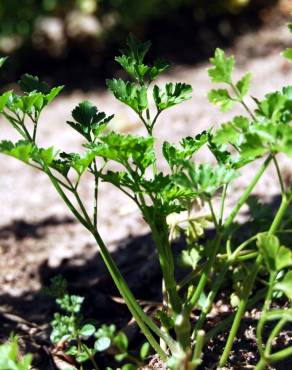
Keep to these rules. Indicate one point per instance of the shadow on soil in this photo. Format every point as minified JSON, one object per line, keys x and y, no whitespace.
{"x":29,"y":315}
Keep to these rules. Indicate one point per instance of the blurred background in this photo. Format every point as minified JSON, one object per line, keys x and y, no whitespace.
{"x":57,"y":39}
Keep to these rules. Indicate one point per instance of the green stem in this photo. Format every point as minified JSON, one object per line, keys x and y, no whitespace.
{"x":247,"y":192}
{"x":278,"y":327}
{"x":35,"y":125}
{"x":95,"y":194}
{"x":281,"y":355}
{"x":224,"y":324}
{"x":261,"y":365}
{"x":80,"y":203}
{"x":222,"y":204}
{"x":84,"y":347}
{"x":167,"y":265}
{"x":204,"y":277}
{"x":282,"y":186}
{"x":242,"y":102}
{"x":210,"y":299}
{"x":266,"y":306}
{"x":213,"y":214}
{"x":15,"y":124}
{"x":198,"y":349}
{"x":141,"y":318}
{"x":66,"y":199}
{"x":249,"y":285}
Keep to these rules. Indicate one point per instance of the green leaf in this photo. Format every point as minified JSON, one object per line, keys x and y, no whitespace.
{"x":105,"y":331}
{"x":21,"y":150}
{"x":120,"y":357}
{"x":10,"y":358}
{"x":45,"y":156}
{"x":287,"y":53}
{"x":102,"y":344}
{"x":126,"y":149}
{"x":190,"y":257}
{"x":223,"y":67}
{"x":87,"y":330}
{"x":70,"y":303}
{"x":204,"y":179}
{"x":129,"y":93}
{"x":277,"y":257}
{"x":4,"y":99}
{"x":29,"y":83}
{"x":53,"y":93}
{"x":283,"y":258}
{"x":174,"y":156}
{"x":2,"y":61}
{"x":222,"y":156}
{"x":222,"y":99}
{"x":88,"y":120}
{"x":285,"y":285}
{"x":269,"y":246}
{"x":171,"y":95}
{"x":136,"y":49}
{"x":132,"y":61}
{"x":129,"y":367}
{"x":82,"y":357}
{"x":79,"y":162}
{"x":275,"y":107}
{"x":121,"y":341}
{"x":253,"y":147}
{"x":144,"y":350}
{"x":159,"y":67}
{"x":72,"y":350}
{"x":243,"y":85}
{"x":130,"y":65}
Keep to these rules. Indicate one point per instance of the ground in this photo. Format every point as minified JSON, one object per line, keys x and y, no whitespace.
{"x":39,"y":238}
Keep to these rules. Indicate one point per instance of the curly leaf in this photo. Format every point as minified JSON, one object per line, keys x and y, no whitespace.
{"x":129,"y":94}
{"x":126,"y":149}
{"x":223,"y":67}
{"x":88,"y":120}
{"x":243,"y":85}
{"x":204,"y":179}
{"x":221,"y":98}
{"x":171,"y":95}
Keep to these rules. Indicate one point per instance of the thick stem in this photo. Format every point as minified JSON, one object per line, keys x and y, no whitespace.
{"x":198,"y":349}
{"x":167,"y":266}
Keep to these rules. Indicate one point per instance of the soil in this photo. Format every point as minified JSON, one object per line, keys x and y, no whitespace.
{"x":39,"y":238}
